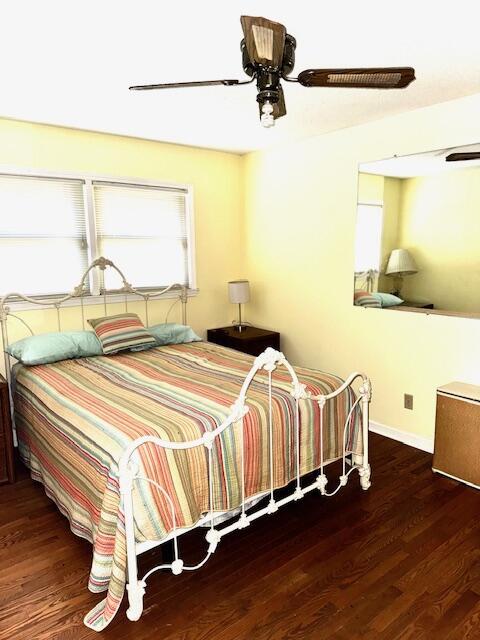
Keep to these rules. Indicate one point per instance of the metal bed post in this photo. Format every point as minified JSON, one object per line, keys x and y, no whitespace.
{"x":4,"y":313}
{"x":6,"y":357}
{"x":364,"y":471}
{"x":184,"y":299}
{"x":135,"y":587}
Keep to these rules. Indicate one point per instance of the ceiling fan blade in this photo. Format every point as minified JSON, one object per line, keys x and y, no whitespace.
{"x":367,"y":78}
{"x":181,"y":85}
{"x":264,"y":39}
{"x":465,"y":155}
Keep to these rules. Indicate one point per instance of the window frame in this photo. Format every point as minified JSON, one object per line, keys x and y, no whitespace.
{"x":95,"y":296}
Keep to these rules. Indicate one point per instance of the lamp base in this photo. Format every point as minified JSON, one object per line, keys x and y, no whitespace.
{"x":239,"y":327}
{"x":397,"y":285}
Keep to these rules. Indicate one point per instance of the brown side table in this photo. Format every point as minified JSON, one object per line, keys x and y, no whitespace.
{"x":250,"y":340}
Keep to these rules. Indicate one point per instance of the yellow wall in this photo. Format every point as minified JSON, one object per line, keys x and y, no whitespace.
{"x":300,"y":205}
{"x":370,"y":188}
{"x":217,"y":180}
{"x":295,"y":244}
{"x":440,"y":225}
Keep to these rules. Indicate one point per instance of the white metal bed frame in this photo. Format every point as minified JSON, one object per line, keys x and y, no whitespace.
{"x":129,"y":473}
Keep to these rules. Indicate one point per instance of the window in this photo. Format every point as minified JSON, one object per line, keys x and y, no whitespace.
{"x":368,"y":237}
{"x":143,"y":230}
{"x":51,"y":228}
{"x":42,"y":226}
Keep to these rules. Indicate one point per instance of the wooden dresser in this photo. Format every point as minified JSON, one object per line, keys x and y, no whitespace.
{"x":6,"y":436}
{"x":457,"y":433}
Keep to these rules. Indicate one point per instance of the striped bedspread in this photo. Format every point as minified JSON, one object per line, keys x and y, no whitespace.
{"x":74,"y":418}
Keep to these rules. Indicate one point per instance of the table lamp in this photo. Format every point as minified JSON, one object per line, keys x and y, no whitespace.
{"x":239,"y":293}
{"x":400,"y":263}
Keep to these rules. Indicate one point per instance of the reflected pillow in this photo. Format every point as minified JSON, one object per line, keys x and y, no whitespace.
{"x":387,"y":299}
{"x":121,"y":332}
{"x":172,"y":333}
{"x":53,"y":347}
{"x":365,"y":299}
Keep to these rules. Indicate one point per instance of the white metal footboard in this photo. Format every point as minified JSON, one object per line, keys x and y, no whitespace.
{"x":129,"y":472}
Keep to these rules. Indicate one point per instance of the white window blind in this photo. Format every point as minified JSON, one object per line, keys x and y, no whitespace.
{"x":143,"y":229}
{"x":43,"y":246}
{"x":368,"y":237}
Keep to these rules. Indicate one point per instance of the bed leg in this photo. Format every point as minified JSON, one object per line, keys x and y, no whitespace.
{"x":135,"y":587}
{"x":364,"y":470}
{"x":135,"y":600}
{"x":364,"y":473}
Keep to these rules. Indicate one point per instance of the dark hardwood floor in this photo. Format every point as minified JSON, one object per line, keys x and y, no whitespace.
{"x":399,"y":561}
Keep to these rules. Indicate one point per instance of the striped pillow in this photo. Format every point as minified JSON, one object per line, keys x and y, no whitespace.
{"x":364,"y":299}
{"x":124,"y":331}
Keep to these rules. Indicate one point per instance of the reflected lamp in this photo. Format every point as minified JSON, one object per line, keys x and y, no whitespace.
{"x":400,"y":264}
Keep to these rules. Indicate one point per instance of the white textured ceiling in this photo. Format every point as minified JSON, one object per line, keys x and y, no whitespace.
{"x":71,"y":62}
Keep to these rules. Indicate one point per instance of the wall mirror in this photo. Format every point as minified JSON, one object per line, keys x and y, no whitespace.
{"x":417,"y":240}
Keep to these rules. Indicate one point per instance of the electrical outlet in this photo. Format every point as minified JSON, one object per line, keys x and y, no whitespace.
{"x":408,"y":401}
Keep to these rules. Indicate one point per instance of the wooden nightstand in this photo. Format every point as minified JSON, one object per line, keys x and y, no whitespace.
{"x":7,"y":473}
{"x":250,"y":340}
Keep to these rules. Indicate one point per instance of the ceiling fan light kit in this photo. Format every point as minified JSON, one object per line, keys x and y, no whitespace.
{"x":268,"y":56}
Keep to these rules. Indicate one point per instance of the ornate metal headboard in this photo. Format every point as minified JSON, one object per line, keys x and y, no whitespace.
{"x":365,"y":279}
{"x":81,"y":291}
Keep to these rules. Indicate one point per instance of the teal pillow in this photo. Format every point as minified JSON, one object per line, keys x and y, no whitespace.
{"x":171,"y":333}
{"x":387,"y":299}
{"x":52,"y":347}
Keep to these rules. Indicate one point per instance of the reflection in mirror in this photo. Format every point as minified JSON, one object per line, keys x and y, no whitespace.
{"x":417,"y":240}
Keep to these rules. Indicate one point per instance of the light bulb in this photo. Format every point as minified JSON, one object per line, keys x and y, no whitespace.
{"x":267,"y":118}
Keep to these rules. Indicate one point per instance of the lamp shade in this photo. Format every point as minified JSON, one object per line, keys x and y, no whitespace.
{"x":401,"y":262}
{"x":239,"y":291}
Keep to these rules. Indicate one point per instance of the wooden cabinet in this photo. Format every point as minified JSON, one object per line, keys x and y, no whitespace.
{"x":250,"y":340}
{"x":457,"y":433}
{"x":6,"y":436}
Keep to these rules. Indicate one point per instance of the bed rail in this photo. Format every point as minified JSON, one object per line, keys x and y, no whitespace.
{"x":129,"y":471}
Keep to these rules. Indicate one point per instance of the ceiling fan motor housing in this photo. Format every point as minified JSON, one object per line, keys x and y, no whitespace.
{"x":268,"y":77}
{"x":268,"y":84}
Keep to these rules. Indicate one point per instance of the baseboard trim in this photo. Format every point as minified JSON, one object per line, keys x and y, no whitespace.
{"x":410,"y":439}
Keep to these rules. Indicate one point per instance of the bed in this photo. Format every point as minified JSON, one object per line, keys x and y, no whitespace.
{"x":138,"y":448}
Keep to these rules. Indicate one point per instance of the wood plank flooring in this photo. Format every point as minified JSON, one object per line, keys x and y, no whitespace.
{"x":401,"y":561}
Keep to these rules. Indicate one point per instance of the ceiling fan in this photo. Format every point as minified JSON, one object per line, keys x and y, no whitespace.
{"x":268,"y":56}
{"x":463,"y":155}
